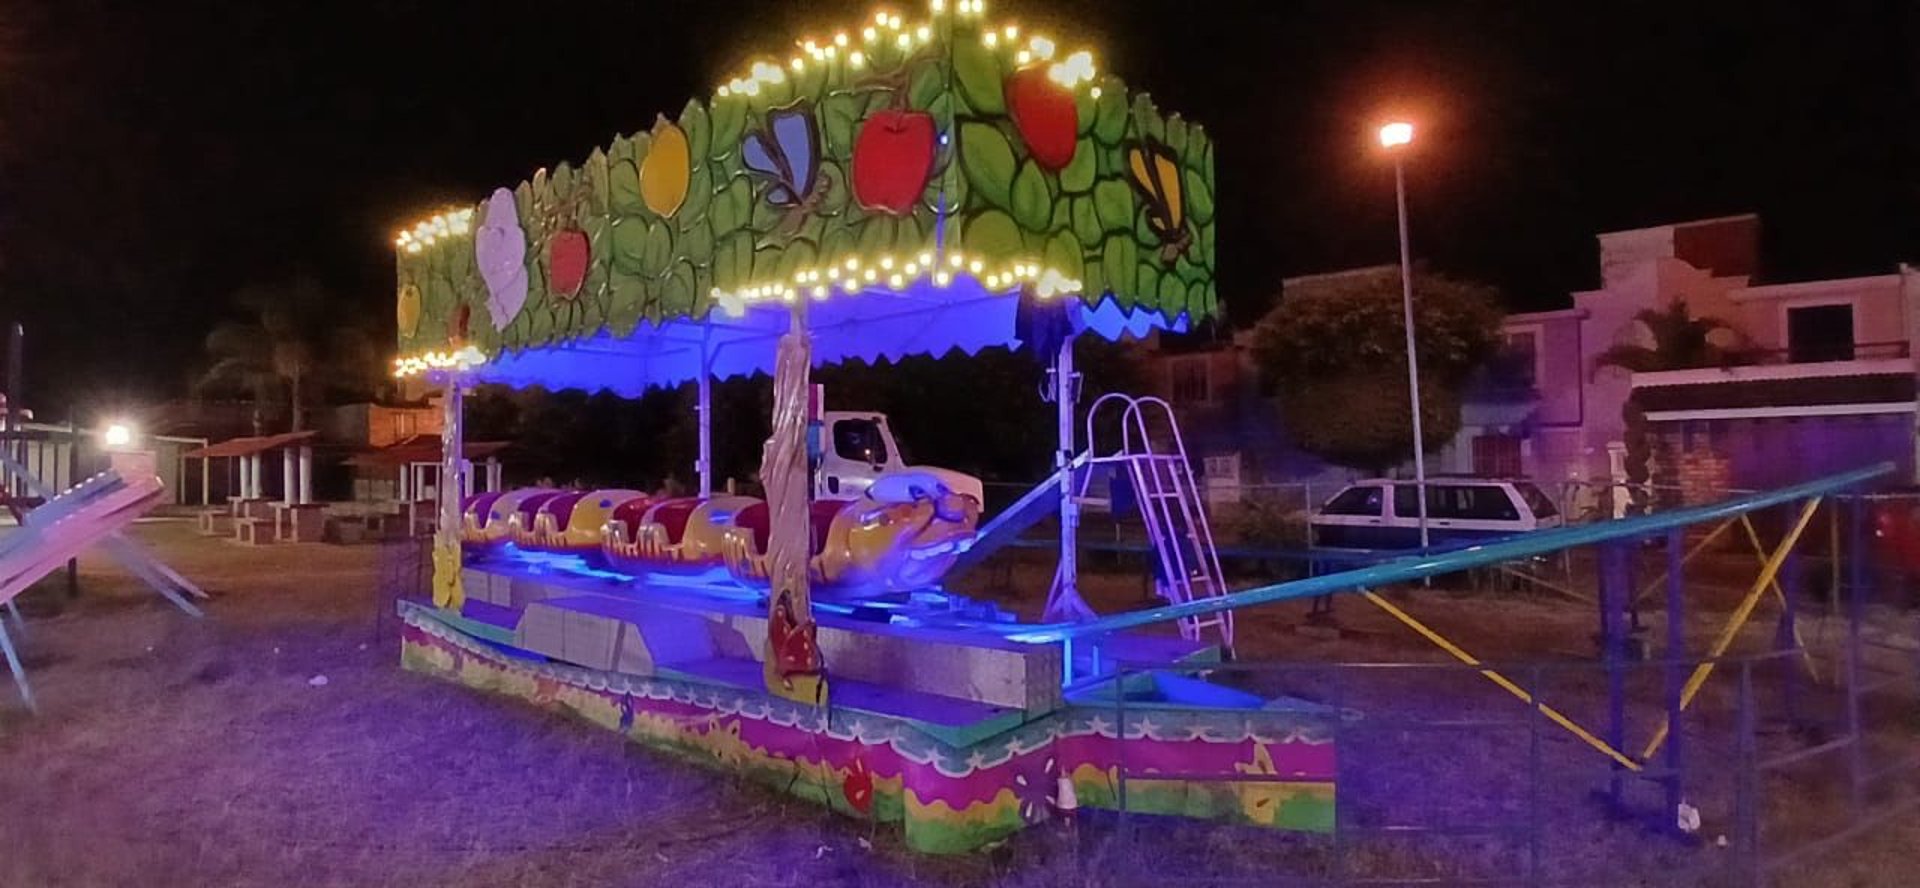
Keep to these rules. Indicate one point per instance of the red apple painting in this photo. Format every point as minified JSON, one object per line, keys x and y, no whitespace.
{"x":892,"y":158}
{"x":567,"y":255}
{"x":858,"y":787}
{"x":1045,"y":114}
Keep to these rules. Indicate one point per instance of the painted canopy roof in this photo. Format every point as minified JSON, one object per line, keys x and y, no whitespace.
{"x":911,"y":181}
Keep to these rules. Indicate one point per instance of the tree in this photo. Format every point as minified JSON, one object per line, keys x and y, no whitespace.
{"x":1337,"y":357}
{"x":1679,"y":341}
{"x":288,"y":349}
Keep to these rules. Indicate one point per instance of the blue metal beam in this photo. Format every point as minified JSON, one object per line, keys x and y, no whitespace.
{"x":1420,"y":566}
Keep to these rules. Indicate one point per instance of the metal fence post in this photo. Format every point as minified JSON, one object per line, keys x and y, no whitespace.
{"x":1615,"y":586}
{"x":1856,"y":608}
{"x":1536,"y":813}
{"x":1676,"y":671}
{"x":1786,"y":635}
{"x":1120,"y":734}
{"x":1746,"y":855}
{"x":1339,"y":696}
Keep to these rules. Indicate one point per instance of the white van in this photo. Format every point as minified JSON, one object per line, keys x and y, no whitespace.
{"x":1383,"y":514}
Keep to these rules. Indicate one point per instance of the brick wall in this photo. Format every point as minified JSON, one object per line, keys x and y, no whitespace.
{"x":1688,"y":469}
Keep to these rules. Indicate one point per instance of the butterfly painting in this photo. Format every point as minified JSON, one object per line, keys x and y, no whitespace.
{"x":786,"y":153}
{"x":1156,"y":175}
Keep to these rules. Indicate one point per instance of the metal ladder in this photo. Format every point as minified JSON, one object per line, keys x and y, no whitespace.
{"x":1172,"y":506}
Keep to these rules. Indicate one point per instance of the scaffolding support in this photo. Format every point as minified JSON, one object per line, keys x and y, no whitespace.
{"x":1768,"y":572}
{"x":1552,"y":714}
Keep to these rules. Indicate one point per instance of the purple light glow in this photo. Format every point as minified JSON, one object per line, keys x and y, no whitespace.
{"x":921,"y":319}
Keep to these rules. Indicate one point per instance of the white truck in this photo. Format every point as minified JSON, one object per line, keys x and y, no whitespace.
{"x":857,"y":448}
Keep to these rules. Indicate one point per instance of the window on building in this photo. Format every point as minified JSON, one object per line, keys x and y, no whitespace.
{"x":1820,"y":333}
{"x":1520,"y":359}
{"x":1192,"y":384}
{"x":1497,"y":456}
{"x":1363,"y":500}
{"x":1222,"y":468}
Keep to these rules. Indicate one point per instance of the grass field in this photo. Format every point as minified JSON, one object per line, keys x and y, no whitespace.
{"x":173,"y":751}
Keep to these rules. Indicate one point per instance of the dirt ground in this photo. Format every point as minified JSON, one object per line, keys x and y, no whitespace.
{"x":175,"y":751}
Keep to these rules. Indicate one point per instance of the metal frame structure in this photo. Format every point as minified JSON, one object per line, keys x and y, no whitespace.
{"x":131,"y":555}
{"x":1717,"y":765}
{"x":1617,"y":542}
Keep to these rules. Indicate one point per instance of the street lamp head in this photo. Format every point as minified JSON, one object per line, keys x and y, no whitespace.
{"x":117,"y":436}
{"x":1396,"y":134}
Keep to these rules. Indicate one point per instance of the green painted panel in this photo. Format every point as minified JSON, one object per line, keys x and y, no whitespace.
{"x":786,"y":167}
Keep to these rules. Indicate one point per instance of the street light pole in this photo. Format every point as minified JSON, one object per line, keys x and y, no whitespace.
{"x":1396,"y":136}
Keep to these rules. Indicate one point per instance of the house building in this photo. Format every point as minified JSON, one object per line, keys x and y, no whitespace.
{"x":1822,"y":377}
{"x":1228,"y":421}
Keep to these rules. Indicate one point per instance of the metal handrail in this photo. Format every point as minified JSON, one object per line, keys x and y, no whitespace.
{"x":1421,"y":566}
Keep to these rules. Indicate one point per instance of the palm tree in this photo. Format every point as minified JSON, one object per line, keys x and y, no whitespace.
{"x":1681,"y":341}
{"x":288,"y":348}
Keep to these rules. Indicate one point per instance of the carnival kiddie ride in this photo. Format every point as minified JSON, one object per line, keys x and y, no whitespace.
{"x":910,"y":186}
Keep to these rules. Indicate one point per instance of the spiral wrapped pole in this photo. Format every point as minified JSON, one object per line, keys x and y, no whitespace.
{"x":793,"y":664}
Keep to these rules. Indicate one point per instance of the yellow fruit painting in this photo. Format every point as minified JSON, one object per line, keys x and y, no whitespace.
{"x":407,"y":313}
{"x":666,"y":169}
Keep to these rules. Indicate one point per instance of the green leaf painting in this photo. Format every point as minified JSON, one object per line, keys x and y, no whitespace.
{"x":924,"y":147}
{"x":987,"y":158}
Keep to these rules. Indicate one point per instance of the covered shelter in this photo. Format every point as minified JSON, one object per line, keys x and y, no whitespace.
{"x":294,"y":509}
{"x":417,"y":460}
{"x":419,"y":464}
{"x":249,"y":454}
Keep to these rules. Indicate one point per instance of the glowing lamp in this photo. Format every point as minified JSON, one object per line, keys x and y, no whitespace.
{"x":117,"y":435}
{"x":1396,"y":134}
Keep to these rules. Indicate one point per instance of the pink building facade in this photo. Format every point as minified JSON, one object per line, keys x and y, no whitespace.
{"x":1824,"y":377}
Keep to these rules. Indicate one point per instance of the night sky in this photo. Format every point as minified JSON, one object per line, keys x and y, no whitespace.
{"x":157,"y":156}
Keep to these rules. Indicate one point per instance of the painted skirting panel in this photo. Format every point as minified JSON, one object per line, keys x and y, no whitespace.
{"x":947,"y":798}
